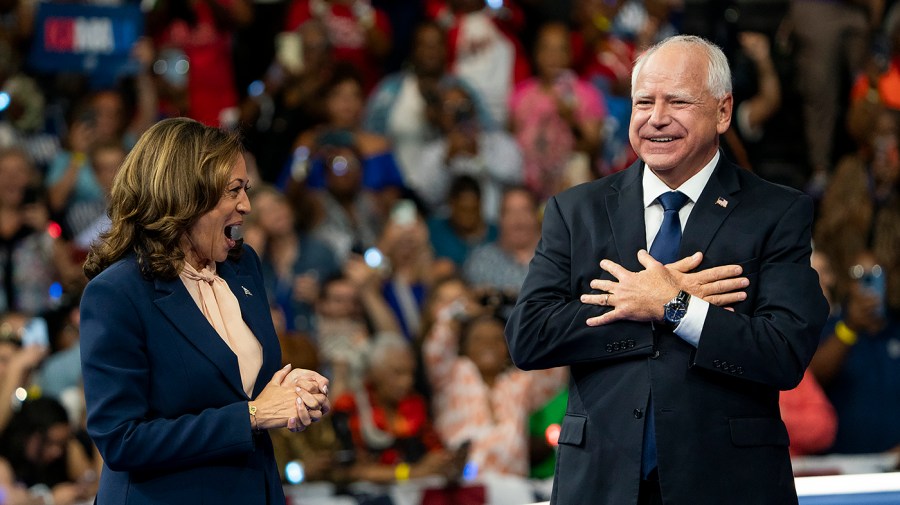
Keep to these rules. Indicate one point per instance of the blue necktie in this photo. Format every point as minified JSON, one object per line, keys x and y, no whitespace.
{"x":668,"y":239}
{"x":665,"y":250}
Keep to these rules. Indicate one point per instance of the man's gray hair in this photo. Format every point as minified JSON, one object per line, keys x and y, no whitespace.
{"x":718,"y":79}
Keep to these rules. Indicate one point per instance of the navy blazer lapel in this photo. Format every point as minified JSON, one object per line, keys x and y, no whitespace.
{"x":177,"y":305}
{"x":718,"y":199}
{"x":625,"y":208}
{"x":255,"y":312}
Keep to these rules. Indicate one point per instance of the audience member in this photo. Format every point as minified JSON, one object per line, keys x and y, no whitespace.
{"x":861,"y":208}
{"x":70,"y":180}
{"x":479,"y":397}
{"x":483,"y":47}
{"x":500,"y":267}
{"x":858,"y":363}
{"x":44,"y":455}
{"x":599,"y":55}
{"x":293,"y":86}
{"x":465,"y":147}
{"x":344,"y":101}
{"x":85,"y":220}
{"x":462,"y":228}
{"x":17,"y":362}
{"x":293,"y":264}
{"x":401,"y":105}
{"x":351,"y":218}
{"x":359,"y":33}
{"x":877,"y":85}
{"x":59,"y":376}
{"x":387,"y":424}
{"x":557,"y":118}
{"x":350,"y":309}
{"x":23,"y":122}
{"x":97,"y":126}
{"x":830,"y":45}
{"x":765,"y":114}
{"x":28,"y":252}
{"x":604,"y":59}
{"x":409,"y":264}
{"x":193,"y":40}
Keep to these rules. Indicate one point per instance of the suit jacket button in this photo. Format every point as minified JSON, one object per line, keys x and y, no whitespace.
{"x":717,"y":363}
{"x":609,"y":348}
{"x":638,"y":414}
{"x":655,"y":354}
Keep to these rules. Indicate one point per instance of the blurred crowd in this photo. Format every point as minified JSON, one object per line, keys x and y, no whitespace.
{"x":401,"y":152}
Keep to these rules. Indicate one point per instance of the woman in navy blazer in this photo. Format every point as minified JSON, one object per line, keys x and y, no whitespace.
{"x":169,"y":379}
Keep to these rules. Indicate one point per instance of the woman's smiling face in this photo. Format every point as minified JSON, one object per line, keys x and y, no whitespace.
{"x":209,"y":239}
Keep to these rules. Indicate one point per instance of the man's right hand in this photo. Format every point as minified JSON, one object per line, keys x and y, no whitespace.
{"x":721,"y":286}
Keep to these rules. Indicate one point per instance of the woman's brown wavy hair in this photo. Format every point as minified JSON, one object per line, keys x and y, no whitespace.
{"x":177,"y":171}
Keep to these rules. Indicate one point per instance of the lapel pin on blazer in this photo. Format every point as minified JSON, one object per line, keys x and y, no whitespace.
{"x":246,"y":291}
{"x":721,"y":202}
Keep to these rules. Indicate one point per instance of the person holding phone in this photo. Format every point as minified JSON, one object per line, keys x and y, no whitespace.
{"x":480,"y":399}
{"x":861,"y":208}
{"x":858,"y":363}
{"x":406,"y":246}
{"x":28,"y":261}
{"x":17,"y":360}
{"x":465,"y":146}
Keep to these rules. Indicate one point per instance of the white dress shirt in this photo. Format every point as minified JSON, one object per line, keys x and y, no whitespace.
{"x":691,"y":326}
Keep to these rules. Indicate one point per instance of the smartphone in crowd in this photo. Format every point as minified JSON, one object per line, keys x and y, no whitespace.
{"x":35,"y":332}
{"x":873,"y":281}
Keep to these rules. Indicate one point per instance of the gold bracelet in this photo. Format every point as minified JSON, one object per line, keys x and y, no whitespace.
{"x":845,"y":334}
{"x":401,"y":472}
{"x":252,"y":409}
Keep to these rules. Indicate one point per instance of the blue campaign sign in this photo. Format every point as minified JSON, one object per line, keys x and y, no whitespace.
{"x":94,"y":40}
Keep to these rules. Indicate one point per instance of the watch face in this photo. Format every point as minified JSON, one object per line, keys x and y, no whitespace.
{"x":675,"y":310}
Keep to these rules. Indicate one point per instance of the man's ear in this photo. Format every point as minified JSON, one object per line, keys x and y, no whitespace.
{"x":723,"y":113}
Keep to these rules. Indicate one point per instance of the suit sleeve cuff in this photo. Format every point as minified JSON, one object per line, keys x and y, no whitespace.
{"x":691,"y":326}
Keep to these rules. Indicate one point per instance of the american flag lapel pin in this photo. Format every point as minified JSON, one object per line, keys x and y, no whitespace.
{"x":721,"y":202}
{"x":246,"y":291}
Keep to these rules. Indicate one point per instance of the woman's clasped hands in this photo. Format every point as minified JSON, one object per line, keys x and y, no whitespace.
{"x":293,"y":399}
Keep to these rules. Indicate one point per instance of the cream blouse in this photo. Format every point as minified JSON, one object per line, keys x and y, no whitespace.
{"x":218,"y":303}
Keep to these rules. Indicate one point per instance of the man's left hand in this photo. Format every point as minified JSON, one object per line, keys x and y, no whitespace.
{"x":719,"y":286}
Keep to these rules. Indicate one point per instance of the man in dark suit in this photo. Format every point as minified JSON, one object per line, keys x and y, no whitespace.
{"x":676,"y":364}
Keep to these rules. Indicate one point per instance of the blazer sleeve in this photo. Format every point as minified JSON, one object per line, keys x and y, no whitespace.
{"x":547,"y":328}
{"x":772,"y":341}
{"x":128,"y":432}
